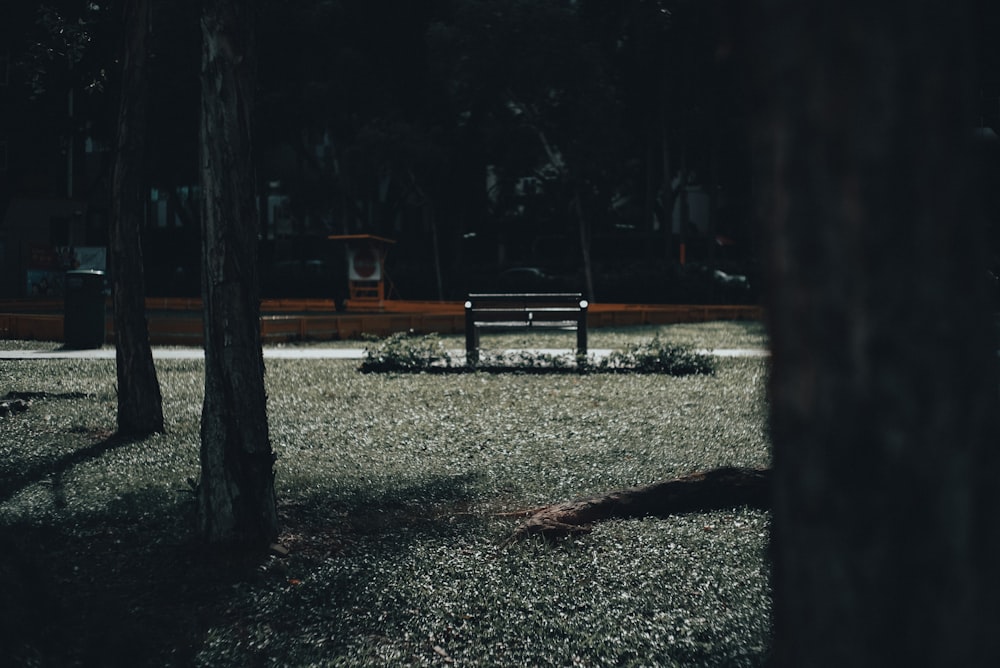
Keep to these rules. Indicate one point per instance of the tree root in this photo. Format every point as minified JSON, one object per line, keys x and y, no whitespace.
{"x":727,"y":487}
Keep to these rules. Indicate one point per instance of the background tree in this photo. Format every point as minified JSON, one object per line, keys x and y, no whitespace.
{"x":62,"y":54}
{"x":236,"y":492}
{"x":649,"y":44}
{"x":536,"y":101}
{"x":172,"y":239}
{"x":140,"y":405}
{"x":884,"y":383}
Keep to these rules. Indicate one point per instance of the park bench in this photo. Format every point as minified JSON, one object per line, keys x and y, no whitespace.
{"x":562,"y":310}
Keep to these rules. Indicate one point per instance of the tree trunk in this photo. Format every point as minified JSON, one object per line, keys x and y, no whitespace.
{"x":430,"y":223}
{"x":236,"y":492}
{"x":667,"y":192}
{"x":883,"y":383}
{"x":649,"y":199}
{"x":727,"y":487}
{"x":584,"y":229}
{"x":140,"y":405}
{"x":685,"y":207}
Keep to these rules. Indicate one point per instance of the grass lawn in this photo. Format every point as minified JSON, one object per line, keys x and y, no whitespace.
{"x":392,"y":490}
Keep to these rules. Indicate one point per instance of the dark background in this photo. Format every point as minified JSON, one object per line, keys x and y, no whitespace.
{"x":481,"y":135}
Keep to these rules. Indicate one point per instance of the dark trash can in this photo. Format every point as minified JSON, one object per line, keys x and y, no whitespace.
{"x":83,"y":310}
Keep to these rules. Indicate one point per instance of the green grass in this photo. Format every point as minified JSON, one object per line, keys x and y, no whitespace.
{"x":391,"y":490}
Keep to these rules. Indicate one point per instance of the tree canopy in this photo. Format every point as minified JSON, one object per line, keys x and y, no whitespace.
{"x":494,"y":116}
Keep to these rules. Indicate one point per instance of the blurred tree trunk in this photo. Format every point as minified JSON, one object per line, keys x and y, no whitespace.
{"x":884,"y":384}
{"x":140,"y":405}
{"x":236,"y":493}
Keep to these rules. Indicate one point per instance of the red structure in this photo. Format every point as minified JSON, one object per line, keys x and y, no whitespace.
{"x":366,"y":275}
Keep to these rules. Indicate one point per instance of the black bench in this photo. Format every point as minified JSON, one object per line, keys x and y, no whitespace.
{"x":562,"y":310}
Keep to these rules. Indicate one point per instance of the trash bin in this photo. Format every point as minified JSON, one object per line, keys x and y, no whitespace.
{"x":83,"y":310}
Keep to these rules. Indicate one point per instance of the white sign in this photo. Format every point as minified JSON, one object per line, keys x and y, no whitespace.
{"x":363,"y":264}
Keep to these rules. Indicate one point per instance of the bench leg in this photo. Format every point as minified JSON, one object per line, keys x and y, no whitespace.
{"x":472,"y":349}
{"x":471,"y":338}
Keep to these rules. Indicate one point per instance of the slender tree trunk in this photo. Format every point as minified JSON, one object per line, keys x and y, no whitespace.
{"x":685,"y":206}
{"x":884,"y":380}
{"x":713,"y":202}
{"x":668,"y":191}
{"x":649,"y":201}
{"x":236,"y":493}
{"x":430,"y":220}
{"x":584,"y":229}
{"x":140,"y":405}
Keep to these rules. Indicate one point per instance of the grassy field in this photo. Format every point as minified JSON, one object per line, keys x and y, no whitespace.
{"x":392,"y":493}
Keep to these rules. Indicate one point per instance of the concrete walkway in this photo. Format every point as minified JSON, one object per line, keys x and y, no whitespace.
{"x":108,"y":353}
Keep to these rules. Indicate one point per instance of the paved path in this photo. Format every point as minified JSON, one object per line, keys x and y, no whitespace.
{"x":108,"y":353}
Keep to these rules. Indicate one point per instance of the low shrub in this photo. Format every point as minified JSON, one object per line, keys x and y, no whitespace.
{"x":405,"y":353}
{"x":658,"y":356}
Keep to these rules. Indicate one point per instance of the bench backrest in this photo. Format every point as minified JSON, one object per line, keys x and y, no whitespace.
{"x":494,"y":307}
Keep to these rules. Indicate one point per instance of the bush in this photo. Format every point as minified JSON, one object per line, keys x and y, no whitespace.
{"x":405,"y":353}
{"x":657,"y":356}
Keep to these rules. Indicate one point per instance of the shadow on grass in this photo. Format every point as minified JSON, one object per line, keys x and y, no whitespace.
{"x":422,"y":507}
{"x":132,"y":586}
{"x":110,"y":589}
{"x":350,"y":551}
{"x":12,"y":482}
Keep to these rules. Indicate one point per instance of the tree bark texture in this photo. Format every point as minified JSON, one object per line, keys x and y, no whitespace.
{"x":884,"y":381}
{"x":236,"y":492}
{"x":727,"y":487}
{"x":140,"y":404}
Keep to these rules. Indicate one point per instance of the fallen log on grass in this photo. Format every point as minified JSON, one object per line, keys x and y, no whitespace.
{"x":716,"y":489}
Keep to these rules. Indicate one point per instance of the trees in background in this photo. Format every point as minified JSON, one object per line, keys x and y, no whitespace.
{"x":884,"y":379}
{"x":419,"y":120}
{"x":476,"y":122}
{"x":497,"y":117}
{"x":59,"y":90}
{"x":533,"y":90}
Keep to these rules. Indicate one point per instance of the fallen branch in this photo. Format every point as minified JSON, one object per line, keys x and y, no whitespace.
{"x":727,"y":487}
